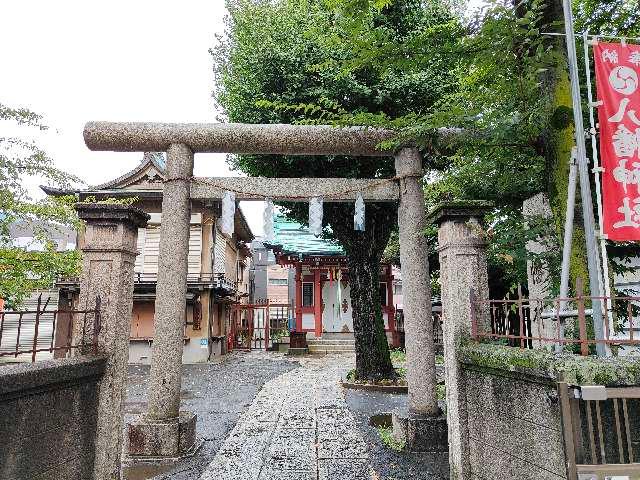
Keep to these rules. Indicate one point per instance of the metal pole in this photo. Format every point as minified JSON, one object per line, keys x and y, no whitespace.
{"x":585,"y":188}
{"x":597,"y":170}
{"x":568,"y":238}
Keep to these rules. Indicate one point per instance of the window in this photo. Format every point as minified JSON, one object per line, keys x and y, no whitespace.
{"x":278,"y":281}
{"x":307,"y":294}
{"x":397,"y":289}
{"x":383,"y":294}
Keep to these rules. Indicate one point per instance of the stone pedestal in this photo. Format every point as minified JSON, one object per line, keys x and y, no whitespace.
{"x":463,"y":270}
{"x":149,"y":438}
{"x":422,"y":433}
{"x":108,"y":257}
{"x":418,"y":327}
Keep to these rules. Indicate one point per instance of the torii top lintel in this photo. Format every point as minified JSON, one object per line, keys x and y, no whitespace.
{"x":281,"y":139}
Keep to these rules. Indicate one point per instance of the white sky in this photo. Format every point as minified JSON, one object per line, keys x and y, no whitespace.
{"x":122,"y":60}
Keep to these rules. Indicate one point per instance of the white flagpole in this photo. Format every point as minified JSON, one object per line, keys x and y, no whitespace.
{"x":597,"y":171}
{"x":585,"y":187}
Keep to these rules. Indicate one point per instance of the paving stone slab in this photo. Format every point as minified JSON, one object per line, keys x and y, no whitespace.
{"x":345,"y":470}
{"x":343,"y":448}
{"x":269,"y":474}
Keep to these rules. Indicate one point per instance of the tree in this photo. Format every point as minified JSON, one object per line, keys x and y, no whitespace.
{"x":512,"y":96}
{"x":21,"y":269}
{"x":281,"y":62}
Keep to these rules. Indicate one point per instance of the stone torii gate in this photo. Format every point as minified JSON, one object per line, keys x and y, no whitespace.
{"x":163,"y":430}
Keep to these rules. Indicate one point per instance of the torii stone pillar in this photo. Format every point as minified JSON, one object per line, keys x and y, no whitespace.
{"x":422,"y":426}
{"x":164,"y":430}
{"x":463,"y":269}
{"x":108,"y":258}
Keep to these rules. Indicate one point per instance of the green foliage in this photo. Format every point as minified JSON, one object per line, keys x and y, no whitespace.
{"x":509,"y":90}
{"x":23,"y":271}
{"x":441,"y":391}
{"x":398,"y":356}
{"x":282,"y":61}
{"x":386,"y":435}
{"x":508,"y":237}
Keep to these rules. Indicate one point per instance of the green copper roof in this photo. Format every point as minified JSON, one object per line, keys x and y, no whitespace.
{"x":292,"y":237}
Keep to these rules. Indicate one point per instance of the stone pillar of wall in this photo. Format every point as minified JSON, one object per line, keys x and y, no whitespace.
{"x":463,"y":269}
{"x":538,"y":277}
{"x":164,"y":430}
{"x":108,"y":257}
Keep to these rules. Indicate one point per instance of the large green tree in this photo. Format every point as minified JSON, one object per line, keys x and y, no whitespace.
{"x":282,"y":62}
{"x":23,"y":269}
{"x":512,"y":97}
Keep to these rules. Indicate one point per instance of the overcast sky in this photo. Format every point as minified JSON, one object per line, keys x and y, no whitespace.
{"x":122,"y":60}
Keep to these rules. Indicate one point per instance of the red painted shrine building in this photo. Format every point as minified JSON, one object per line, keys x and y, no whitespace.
{"x":322,"y":291}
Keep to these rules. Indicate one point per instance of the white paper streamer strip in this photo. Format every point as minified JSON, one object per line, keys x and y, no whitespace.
{"x":358,"y":216}
{"x":267,"y":220}
{"x":228,"y":212}
{"x":315,"y":215}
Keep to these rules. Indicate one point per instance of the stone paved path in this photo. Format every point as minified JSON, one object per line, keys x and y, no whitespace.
{"x":218,"y":393}
{"x":297,"y":428}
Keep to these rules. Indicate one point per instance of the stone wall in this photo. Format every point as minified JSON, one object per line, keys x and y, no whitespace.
{"x":515,"y":426}
{"x":48,"y":413}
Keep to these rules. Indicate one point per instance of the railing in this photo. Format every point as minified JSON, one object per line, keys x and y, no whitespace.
{"x":48,"y":332}
{"x":216,"y":280}
{"x":257,"y":326}
{"x":563,"y":322}
{"x":600,"y":429}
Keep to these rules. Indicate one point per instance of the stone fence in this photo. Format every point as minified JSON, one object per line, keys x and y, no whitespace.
{"x":531,"y":414}
{"x":48,"y":414}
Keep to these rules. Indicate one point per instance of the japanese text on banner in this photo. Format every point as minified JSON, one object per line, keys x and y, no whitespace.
{"x":617,"y":74}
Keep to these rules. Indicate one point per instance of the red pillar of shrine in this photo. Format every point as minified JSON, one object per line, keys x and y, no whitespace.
{"x":298,"y":297}
{"x":317,"y":302}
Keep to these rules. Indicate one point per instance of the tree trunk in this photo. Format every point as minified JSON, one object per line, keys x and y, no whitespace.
{"x":372,"y":350}
{"x":558,"y":139}
{"x":364,"y":253}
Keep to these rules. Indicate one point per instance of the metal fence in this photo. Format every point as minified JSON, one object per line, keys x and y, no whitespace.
{"x":562,"y":322}
{"x":436,"y":316}
{"x":601,"y":430}
{"x":257,"y":326}
{"x":47,"y":331}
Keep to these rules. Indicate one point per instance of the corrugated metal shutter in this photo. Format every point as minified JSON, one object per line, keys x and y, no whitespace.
{"x":27,"y":329}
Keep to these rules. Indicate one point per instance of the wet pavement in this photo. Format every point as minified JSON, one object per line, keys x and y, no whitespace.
{"x":390,"y":464}
{"x":266,"y":416}
{"x":217,"y":393}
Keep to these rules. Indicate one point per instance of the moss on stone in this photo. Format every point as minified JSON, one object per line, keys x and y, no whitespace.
{"x":570,"y":368}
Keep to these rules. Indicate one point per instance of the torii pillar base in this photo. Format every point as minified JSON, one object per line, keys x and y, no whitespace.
{"x":172,"y":438}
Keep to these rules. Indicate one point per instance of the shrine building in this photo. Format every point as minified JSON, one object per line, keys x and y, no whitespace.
{"x":322,"y":291}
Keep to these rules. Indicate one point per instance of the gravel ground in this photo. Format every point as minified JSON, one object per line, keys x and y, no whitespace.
{"x":218,"y":393}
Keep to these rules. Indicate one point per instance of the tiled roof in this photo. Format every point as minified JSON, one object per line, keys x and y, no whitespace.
{"x":292,"y":237}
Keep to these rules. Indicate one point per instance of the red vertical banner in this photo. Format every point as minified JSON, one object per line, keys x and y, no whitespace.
{"x":618,"y":85}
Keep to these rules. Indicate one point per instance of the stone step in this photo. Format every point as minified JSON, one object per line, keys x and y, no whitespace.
{"x":320,"y":341}
{"x":330,"y":348}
